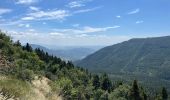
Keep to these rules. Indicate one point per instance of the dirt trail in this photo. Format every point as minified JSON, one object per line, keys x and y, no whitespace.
{"x":42,"y":90}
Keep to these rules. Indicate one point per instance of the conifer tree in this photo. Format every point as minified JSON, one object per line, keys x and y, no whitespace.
{"x":27,"y":47}
{"x":17,"y":43}
{"x":144,"y":96}
{"x":164,"y":94}
{"x":134,"y":92}
{"x":106,"y":83}
{"x":96,"y":81}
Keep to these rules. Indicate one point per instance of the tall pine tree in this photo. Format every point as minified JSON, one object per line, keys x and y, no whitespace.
{"x":106,"y":83}
{"x":96,"y":81}
{"x":164,"y":94}
{"x":134,"y":92}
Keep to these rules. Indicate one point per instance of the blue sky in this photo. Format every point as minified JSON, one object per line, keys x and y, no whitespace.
{"x":83,"y":22}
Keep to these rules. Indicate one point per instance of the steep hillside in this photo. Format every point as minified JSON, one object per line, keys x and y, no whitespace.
{"x":147,"y":57}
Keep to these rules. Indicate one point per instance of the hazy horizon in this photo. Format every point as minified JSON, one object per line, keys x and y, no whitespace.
{"x":83,"y":22}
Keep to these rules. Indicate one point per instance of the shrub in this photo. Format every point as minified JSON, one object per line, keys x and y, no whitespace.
{"x":26,"y":75}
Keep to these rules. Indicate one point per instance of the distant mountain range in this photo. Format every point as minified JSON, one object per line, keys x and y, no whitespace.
{"x":143,"y":58}
{"x":69,"y":53}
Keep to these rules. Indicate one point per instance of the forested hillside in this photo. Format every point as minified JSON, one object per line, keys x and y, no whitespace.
{"x":147,"y":59}
{"x":27,"y":74}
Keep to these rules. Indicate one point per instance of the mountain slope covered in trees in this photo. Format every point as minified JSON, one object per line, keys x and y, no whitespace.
{"x":24,"y":72}
{"x":145,"y":58}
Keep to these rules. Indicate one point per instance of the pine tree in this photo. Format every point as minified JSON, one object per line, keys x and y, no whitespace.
{"x":96,"y":81}
{"x":106,"y":83}
{"x":164,"y":94}
{"x":70,"y":64}
{"x":27,"y":47}
{"x":134,"y":92}
{"x":144,"y":96}
{"x":17,"y":43}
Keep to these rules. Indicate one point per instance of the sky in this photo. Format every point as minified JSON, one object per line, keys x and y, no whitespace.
{"x":83,"y":22}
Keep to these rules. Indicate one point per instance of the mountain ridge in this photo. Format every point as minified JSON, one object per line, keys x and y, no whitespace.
{"x":143,"y":57}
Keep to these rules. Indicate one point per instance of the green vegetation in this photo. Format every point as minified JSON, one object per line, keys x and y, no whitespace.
{"x":14,"y":88}
{"x":144,"y":59}
{"x":74,"y":83}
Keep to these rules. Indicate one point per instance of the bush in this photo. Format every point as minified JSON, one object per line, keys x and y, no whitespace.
{"x":26,"y":75}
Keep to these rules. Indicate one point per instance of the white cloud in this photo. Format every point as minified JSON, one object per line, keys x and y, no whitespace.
{"x":27,"y":18}
{"x":24,"y":25}
{"x":56,"y":34}
{"x":32,"y":30}
{"x":34,"y":8}
{"x":118,"y":16}
{"x":86,"y":29}
{"x":76,"y":4}
{"x":47,"y":15}
{"x":4,"y":10}
{"x":56,"y":14}
{"x":60,"y":39}
{"x":26,"y":1}
{"x":27,"y":25}
{"x":87,"y":10}
{"x":82,"y":35}
{"x":140,"y":21}
{"x":10,"y":22}
{"x":134,"y":11}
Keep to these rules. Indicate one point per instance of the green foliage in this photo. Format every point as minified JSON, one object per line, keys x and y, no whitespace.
{"x":66,"y":85}
{"x":106,"y":83}
{"x":146,"y":59}
{"x":73,"y":83}
{"x":144,"y":96}
{"x":27,"y":47}
{"x":96,"y":81}
{"x":98,"y":93}
{"x":134,"y":93}
{"x":120,"y":93}
{"x":104,"y":96}
{"x":26,"y":75}
{"x":1,"y":43}
{"x":17,"y":43}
